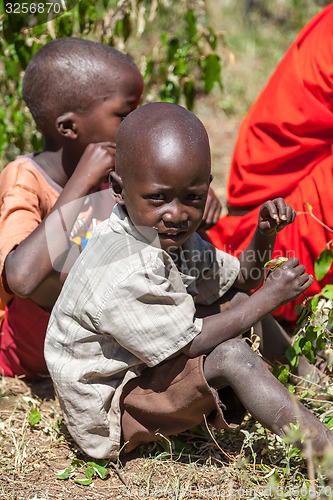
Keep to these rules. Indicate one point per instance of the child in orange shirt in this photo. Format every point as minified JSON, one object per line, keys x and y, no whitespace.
{"x":78,"y":92}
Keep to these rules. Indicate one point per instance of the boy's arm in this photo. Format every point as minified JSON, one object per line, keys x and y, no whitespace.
{"x":282,"y":285}
{"x":273,"y":217}
{"x":29,"y":269}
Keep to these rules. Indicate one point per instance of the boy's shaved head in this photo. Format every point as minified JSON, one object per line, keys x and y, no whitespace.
{"x":68,"y":74}
{"x":158,"y":132}
{"x":162,"y":171}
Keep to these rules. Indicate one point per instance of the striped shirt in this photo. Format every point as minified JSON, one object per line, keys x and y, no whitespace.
{"x":125,"y":305}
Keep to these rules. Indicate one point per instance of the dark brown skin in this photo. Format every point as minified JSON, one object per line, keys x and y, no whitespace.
{"x":168,"y":193}
{"x":212,"y":211}
{"x":79,"y":155}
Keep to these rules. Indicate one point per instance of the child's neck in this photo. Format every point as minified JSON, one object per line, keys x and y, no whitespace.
{"x":55,"y":165}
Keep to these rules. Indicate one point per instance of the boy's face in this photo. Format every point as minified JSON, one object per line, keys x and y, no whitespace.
{"x":122,"y":95}
{"x":168,"y":192}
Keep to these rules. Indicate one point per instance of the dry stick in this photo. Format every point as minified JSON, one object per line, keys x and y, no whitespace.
{"x":170,"y":448}
{"x":310,"y":212}
{"x":323,"y":415}
{"x":213,"y":438}
{"x":308,"y":452}
{"x":117,"y":471}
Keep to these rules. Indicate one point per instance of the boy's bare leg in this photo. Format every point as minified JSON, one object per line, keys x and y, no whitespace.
{"x":273,"y":338}
{"x":233,"y":363}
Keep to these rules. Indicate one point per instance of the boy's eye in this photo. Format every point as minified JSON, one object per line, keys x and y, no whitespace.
{"x":194,"y":197}
{"x":156,"y":197}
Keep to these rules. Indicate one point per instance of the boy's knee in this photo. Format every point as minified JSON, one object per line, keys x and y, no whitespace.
{"x":237,"y":354}
{"x":231,"y":360}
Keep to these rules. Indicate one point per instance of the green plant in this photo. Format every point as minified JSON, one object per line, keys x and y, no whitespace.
{"x":89,"y":470}
{"x":172,"y":44}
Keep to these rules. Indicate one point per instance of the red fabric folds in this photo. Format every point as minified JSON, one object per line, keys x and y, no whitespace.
{"x":284,"y":148}
{"x":23,"y":354}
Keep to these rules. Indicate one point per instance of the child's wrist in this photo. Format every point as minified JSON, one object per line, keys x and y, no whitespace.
{"x":268,"y":233}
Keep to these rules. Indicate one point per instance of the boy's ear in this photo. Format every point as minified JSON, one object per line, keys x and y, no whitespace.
{"x":66,"y":125}
{"x":116,"y":187}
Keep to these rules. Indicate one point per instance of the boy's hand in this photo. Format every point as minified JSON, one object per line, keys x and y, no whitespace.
{"x":287,"y":282}
{"x":96,"y":163}
{"x":275,"y":215}
{"x":212,"y":211}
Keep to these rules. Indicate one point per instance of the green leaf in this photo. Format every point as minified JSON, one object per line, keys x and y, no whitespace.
{"x":124,"y":27}
{"x":292,"y":356}
{"x":309,"y":351}
{"x":189,"y":92}
{"x":173,"y":46}
{"x":180,"y":68}
{"x":212,"y":39}
{"x":34,"y":417}
{"x":191,"y":24}
{"x":100,"y":470}
{"x":321,"y":342}
{"x":314,"y":301}
{"x":296,"y":345}
{"x":77,"y":463}
{"x":84,"y":481}
{"x":327,"y":292}
{"x":294,"y":452}
{"x":90,"y":472}
{"x":211,"y":72}
{"x":82,"y":9}
{"x":282,"y":372}
{"x":310,"y":333}
{"x":65,"y":473}
{"x":169,"y":92}
{"x":273,"y":263}
{"x":65,"y":25}
{"x":180,"y":446}
{"x":323,"y":263}
{"x":328,"y":421}
{"x":24,"y":53}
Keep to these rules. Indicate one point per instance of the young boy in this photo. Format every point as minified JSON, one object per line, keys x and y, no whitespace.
{"x":78,"y":92}
{"x":143,"y":338}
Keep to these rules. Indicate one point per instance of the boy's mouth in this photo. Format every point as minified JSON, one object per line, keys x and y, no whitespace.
{"x":172,"y":235}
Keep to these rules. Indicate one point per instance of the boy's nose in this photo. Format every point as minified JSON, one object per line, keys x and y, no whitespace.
{"x":176,"y":216}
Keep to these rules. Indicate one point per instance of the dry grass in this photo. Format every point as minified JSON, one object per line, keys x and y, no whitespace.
{"x":248,"y":463}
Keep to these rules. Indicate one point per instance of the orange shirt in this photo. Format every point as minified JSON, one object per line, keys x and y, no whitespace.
{"x":27,"y":195}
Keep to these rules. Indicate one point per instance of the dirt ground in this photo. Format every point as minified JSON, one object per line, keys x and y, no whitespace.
{"x":222,"y":132}
{"x":31,"y":456}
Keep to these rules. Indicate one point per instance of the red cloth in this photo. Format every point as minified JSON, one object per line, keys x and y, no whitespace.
{"x":23,"y":354}
{"x":284,"y":148}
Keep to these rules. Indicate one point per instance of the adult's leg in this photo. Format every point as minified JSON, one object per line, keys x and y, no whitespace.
{"x":233,"y":363}
{"x":273,"y":344}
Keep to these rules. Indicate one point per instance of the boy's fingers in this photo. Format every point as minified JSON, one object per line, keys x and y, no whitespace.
{"x":271,"y":210}
{"x":304,"y":279}
{"x":292,"y":262}
{"x":108,"y":144}
{"x":281,"y":208}
{"x":278,"y":210}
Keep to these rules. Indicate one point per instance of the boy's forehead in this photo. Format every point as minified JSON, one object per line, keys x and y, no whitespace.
{"x":162,"y":134}
{"x":170,"y":160}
